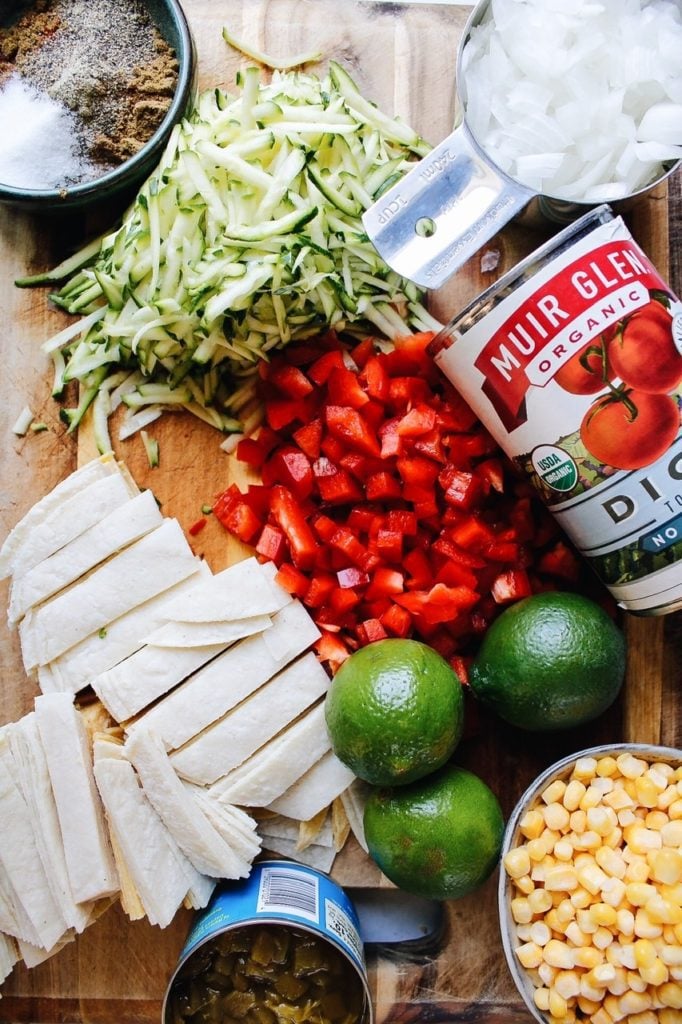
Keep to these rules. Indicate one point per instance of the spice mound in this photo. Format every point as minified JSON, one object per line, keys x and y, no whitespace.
{"x":83,"y":85}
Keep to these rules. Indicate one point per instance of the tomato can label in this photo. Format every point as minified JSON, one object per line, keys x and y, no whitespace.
{"x":573,"y":361}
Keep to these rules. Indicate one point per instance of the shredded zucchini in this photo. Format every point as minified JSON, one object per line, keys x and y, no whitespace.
{"x":247,"y":236}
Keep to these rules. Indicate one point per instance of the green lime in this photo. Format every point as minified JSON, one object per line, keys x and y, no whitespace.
{"x":550,"y":661}
{"x":394,"y":711}
{"x":439,"y":837}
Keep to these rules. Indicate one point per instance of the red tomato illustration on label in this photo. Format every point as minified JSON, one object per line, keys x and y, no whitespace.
{"x":630,"y":429}
{"x":643,"y":353}
{"x":586,"y":372}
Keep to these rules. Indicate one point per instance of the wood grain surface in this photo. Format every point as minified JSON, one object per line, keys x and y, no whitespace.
{"x":403,"y":57}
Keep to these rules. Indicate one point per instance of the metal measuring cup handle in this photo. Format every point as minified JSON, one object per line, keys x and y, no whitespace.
{"x":441,"y":213}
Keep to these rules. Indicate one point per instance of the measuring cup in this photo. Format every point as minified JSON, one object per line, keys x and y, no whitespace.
{"x":456,"y":198}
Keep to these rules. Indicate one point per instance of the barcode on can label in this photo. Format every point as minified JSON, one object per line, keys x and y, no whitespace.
{"x":286,"y":890}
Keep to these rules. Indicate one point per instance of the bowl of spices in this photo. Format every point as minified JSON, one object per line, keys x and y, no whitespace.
{"x":89,"y":93}
{"x":590,"y":889}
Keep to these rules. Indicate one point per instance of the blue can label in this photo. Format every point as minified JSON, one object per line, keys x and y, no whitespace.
{"x":283,"y":891}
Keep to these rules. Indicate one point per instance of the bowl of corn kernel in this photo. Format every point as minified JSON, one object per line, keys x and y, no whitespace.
{"x":590,"y":889}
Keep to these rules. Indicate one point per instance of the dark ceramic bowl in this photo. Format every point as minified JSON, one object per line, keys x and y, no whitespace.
{"x":170,"y":19}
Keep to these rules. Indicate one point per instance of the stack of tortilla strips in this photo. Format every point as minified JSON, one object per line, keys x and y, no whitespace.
{"x":205,"y":739}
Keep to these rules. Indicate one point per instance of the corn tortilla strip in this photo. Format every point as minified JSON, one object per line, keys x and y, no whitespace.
{"x":123,"y":526}
{"x":230,"y":740}
{"x":239,"y":592}
{"x":201,"y":634}
{"x":76,"y":515}
{"x":318,"y":831}
{"x":146,"y":568}
{"x":9,"y":955}
{"x":152,"y":859}
{"x":276,"y":766}
{"x":353,"y":800}
{"x":315,"y":790}
{"x":237,"y":828}
{"x":34,"y":780}
{"x":20,"y":859}
{"x":89,"y":859}
{"x":319,"y":857}
{"x":73,"y":670}
{"x":177,"y":808}
{"x":340,"y":824}
{"x":227,"y":680}
{"x":43,"y":509}
{"x":34,"y":955}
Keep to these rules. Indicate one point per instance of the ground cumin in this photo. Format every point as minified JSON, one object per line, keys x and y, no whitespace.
{"x":104,"y":60}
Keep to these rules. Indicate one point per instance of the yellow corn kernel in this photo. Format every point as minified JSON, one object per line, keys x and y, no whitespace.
{"x":627,"y":955}
{"x":547,"y":973}
{"x":610,"y":1004}
{"x":630,"y":767}
{"x":531,"y":824}
{"x":613,"y":892}
{"x":672,"y":892}
{"x":517,"y":862}
{"x":558,"y":954}
{"x":639,"y":893}
{"x":641,"y":839}
{"x":537,"y":849}
{"x":563,"y":850}
{"x":671,"y":955}
{"x":637,"y":868}
{"x":540,"y":934}
{"x":667,"y":797}
{"x":662,"y":911}
{"x":634,"y":1002}
{"x":552,"y":921}
{"x":619,"y":985}
{"x":656,"y":820}
{"x":607,"y":767}
{"x":675,"y":810}
{"x":561,"y":878}
{"x":565,"y":911}
{"x":529,"y":954}
{"x":585,"y":768}
{"x":614,"y":838}
{"x":567,"y":984}
{"x":602,"y":938}
{"x":625,"y":921}
{"x":553,"y":792}
{"x":556,"y":816}
{"x":557,"y":1004}
{"x":666,"y":865}
{"x":522,"y":932}
{"x":541,"y":999}
{"x":575,"y":935}
{"x":585,"y":922}
{"x":655,"y":975}
{"x":602,"y":914}
{"x":573,"y":794}
{"x":521,"y":911}
{"x":591,"y":877}
{"x":580,"y":898}
{"x":619,"y":799}
{"x":668,"y":1016}
{"x":588,"y":957}
{"x":587,"y":1006}
{"x":645,"y":928}
{"x":587,"y":840}
{"x":626,"y":817}
{"x":645,"y":952}
{"x":602,"y":975}
{"x":646,"y":1017}
{"x":588,"y":991}
{"x":670,"y":994}
{"x":610,"y":861}
{"x":601,"y":820}
{"x":591,"y":798}
{"x":540,"y":901}
{"x":600,"y":1016}
{"x":578,"y":821}
{"x":646,"y":791}
{"x":671,"y":834}
{"x":525,"y":884}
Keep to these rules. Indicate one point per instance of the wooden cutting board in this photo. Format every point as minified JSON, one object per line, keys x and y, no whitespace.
{"x":403,"y":57}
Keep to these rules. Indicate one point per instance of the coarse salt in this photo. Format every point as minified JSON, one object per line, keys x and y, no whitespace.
{"x":576,"y":99}
{"x":41,"y":148}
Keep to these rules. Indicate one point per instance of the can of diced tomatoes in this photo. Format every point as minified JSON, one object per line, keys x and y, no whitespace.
{"x":573,"y":361}
{"x":283,"y":944}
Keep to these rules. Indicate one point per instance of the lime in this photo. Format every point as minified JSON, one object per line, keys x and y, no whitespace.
{"x":394,"y":711}
{"x":551,"y":661}
{"x":439,"y":837}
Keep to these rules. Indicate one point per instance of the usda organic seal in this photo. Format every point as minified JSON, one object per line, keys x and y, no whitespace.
{"x":555,"y":467}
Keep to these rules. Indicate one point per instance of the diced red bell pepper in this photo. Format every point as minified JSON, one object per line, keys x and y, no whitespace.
{"x":391,"y":441}
{"x":371,"y":630}
{"x":292,"y":579}
{"x":397,"y":621}
{"x":322,"y":367}
{"x":375,"y":379}
{"x":272,"y":544}
{"x":250,"y":451}
{"x":347,"y":424}
{"x":237,"y":516}
{"x":352,"y":577}
{"x":419,"y":420}
{"x":439,"y":604}
{"x":460,"y":488}
{"x":363,"y":351}
{"x":419,"y":569}
{"x":388,"y":544}
{"x":384,"y":583}
{"x":319,"y":589}
{"x":404,"y":391}
{"x":290,"y":381}
{"x":382,"y":486}
{"x":511,"y":586}
{"x":331,"y":649}
{"x":344,"y":540}
{"x":561,"y":562}
{"x":289,"y":516}
{"x":343,"y":388}
{"x":361,"y":518}
{"x":403,"y":521}
{"x":417,"y":470}
{"x":197,"y":526}
{"x":338,"y":488}
{"x":292,"y":468}
{"x":309,"y":438}
{"x":281,"y":412}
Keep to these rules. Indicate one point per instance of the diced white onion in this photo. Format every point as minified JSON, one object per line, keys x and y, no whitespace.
{"x":577,"y":99}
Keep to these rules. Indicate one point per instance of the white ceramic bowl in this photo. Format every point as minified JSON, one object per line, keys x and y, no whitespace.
{"x":559,"y":770}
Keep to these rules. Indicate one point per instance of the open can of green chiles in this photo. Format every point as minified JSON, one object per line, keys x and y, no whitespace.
{"x":281,"y":946}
